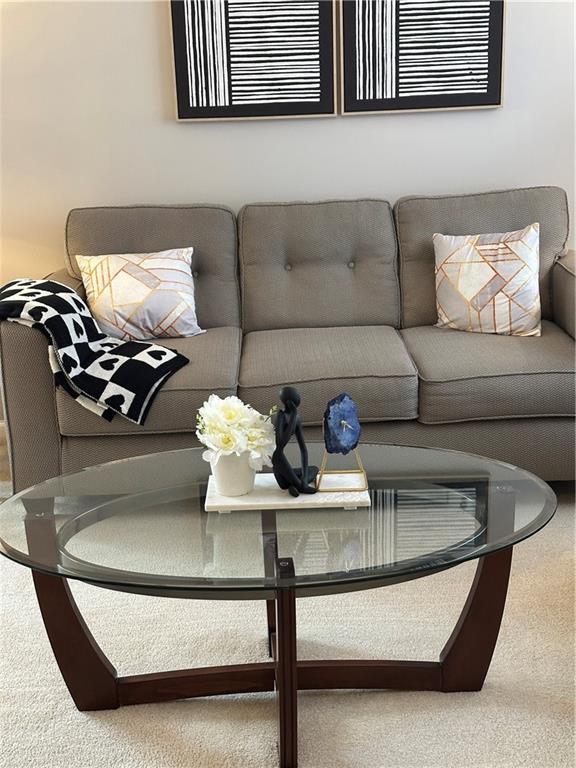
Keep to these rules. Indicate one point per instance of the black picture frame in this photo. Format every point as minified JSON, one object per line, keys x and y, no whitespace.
{"x":190,"y":16}
{"x":491,"y":59}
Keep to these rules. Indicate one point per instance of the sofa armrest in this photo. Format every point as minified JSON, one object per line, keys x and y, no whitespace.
{"x":563,"y":289}
{"x":62,"y":276}
{"x":29,"y":401}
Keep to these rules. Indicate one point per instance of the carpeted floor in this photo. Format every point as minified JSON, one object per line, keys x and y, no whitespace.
{"x":524,"y":716}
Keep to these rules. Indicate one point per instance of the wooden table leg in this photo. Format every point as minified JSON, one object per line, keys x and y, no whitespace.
{"x":286,"y":671}
{"x":89,"y":676}
{"x":271,"y":620}
{"x":270,"y":552}
{"x":467,"y":655}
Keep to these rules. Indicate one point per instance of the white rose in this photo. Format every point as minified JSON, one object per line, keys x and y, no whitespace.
{"x":225,"y":443}
{"x":260,"y":435}
{"x":260,"y":442}
{"x":232,"y":410}
{"x":212,"y":423}
{"x":217,"y":414}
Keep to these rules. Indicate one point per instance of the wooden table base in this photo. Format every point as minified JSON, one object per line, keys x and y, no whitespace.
{"x":462,"y":666}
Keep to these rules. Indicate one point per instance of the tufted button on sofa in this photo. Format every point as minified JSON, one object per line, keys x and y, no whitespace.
{"x":329,"y":296}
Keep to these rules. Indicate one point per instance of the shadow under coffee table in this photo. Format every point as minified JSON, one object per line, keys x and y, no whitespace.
{"x":139,"y":526}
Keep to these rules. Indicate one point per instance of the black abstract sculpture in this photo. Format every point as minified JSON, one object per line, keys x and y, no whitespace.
{"x":287,"y":423}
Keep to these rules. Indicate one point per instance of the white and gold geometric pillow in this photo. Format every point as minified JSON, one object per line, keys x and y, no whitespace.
{"x":489,"y":283}
{"x":141,"y":295}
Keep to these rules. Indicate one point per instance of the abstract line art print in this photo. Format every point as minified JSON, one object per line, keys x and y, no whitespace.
{"x":420,"y":54}
{"x":253,"y":58}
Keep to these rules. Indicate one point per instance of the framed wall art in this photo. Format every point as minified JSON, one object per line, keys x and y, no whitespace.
{"x":420,"y":54}
{"x":239,"y":59}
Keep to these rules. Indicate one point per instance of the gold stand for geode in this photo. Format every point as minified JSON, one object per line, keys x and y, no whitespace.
{"x":359,"y":471}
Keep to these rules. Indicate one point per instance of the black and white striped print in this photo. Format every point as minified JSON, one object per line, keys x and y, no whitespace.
{"x":274,"y":50}
{"x":420,"y":54}
{"x":252,"y":51}
{"x":207,"y":54}
{"x":375,"y":49}
{"x":442,"y":46}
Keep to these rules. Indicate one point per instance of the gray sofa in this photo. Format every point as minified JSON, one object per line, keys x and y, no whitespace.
{"x":331,"y":296}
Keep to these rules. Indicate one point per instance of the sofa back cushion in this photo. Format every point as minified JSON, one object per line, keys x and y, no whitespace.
{"x":318,"y":265}
{"x":418,"y":218}
{"x":210,"y":229}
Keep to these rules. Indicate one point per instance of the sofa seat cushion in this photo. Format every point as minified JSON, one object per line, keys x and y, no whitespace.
{"x":472,"y":376}
{"x":370,"y":363}
{"x":214,"y":359}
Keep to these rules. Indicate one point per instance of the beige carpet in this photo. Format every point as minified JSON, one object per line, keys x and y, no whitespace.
{"x":523,"y":717}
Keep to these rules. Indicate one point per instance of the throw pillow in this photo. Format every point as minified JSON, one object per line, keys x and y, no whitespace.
{"x":141,"y":295}
{"x":489,"y":283}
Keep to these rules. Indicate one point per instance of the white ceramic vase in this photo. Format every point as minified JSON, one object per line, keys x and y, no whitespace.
{"x":233,"y":474}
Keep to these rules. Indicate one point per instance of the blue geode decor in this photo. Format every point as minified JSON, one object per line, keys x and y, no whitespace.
{"x":341,"y":425}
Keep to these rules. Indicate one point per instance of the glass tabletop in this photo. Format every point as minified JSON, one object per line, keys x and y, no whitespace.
{"x":139,"y":525}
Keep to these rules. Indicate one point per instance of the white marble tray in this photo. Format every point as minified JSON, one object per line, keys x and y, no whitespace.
{"x":267,"y":495}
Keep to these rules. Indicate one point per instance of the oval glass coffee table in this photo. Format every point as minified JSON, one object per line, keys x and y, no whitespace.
{"x":139,"y":526}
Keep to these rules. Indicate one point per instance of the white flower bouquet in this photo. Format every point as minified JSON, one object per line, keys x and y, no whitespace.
{"x":227,"y":426}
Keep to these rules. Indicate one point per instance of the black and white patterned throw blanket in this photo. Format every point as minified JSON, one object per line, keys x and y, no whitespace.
{"x":103,"y":374}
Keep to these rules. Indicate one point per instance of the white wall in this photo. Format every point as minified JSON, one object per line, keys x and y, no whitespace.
{"x":88,"y":119}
